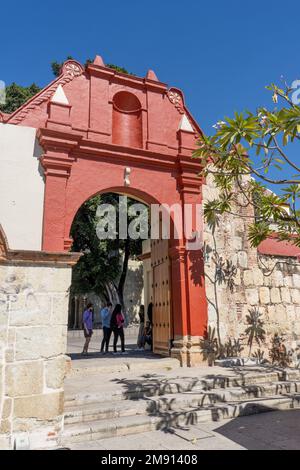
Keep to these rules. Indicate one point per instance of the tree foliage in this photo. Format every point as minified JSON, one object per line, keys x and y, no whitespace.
{"x":245,"y":157}
{"x":17,"y":95}
{"x":104,"y":263}
{"x":118,"y":69}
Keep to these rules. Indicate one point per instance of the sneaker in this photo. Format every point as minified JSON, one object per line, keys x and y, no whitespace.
{"x":124,"y":352}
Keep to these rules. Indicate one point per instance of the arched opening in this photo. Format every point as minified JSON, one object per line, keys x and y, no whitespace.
{"x":131,"y":270}
{"x":127,"y":120}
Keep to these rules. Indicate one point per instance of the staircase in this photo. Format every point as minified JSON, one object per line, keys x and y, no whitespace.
{"x":164,"y":401}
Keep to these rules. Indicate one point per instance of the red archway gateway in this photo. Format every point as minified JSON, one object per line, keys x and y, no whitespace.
{"x":94,"y":125}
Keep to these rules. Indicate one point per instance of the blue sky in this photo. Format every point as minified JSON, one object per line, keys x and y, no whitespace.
{"x":221,"y":53}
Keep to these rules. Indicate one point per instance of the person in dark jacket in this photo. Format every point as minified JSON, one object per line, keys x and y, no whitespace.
{"x":142,"y":326}
{"x":117,"y":326}
{"x":105,"y":318}
{"x":150,"y":312}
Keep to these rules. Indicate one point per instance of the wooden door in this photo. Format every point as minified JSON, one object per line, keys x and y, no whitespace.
{"x":161,"y":297}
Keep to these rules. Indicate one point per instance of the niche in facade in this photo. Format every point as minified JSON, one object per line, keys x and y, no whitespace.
{"x":127,"y":120}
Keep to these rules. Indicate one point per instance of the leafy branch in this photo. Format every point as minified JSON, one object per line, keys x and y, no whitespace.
{"x":244,"y":156}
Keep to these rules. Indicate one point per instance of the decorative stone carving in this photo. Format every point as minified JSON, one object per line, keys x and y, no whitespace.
{"x":72,"y":68}
{"x":127,"y":172}
{"x":176,"y":100}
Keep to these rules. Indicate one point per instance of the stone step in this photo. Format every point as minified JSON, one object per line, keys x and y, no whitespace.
{"x":113,"y":409}
{"x":103,"y":429}
{"x":100,"y":429}
{"x":137,"y":388}
{"x":104,"y":366}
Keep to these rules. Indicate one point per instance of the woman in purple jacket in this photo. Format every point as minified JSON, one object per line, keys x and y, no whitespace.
{"x":87,"y":321}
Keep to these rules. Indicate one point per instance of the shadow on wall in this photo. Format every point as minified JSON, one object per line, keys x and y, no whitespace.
{"x":196,"y":266}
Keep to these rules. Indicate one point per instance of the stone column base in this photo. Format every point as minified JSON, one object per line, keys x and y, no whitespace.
{"x":187,"y":350}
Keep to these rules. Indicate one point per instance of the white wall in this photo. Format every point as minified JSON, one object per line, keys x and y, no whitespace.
{"x":21,"y":187}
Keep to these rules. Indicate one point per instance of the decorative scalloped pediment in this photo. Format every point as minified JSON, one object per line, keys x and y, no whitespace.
{"x":70,"y":70}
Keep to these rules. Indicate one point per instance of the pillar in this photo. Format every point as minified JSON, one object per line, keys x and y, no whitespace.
{"x":57,"y":163}
{"x":188,"y":282}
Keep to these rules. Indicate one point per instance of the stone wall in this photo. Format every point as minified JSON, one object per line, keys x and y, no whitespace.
{"x":268,"y":283}
{"x":33,"y":335}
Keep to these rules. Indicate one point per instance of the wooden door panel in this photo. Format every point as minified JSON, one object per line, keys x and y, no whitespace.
{"x":161,"y":297}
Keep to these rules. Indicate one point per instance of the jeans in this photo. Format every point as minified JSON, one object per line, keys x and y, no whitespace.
{"x":106,"y":338}
{"x":119,"y":332}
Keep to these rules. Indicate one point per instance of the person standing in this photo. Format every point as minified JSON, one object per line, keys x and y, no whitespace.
{"x":117,"y":326}
{"x":87,"y":321}
{"x":105,"y":315}
{"x":150,"y":313}
{"x":147,"y":336}
{"x":142,"y":326}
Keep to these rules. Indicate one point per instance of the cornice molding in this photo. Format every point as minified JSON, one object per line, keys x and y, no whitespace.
{"x":36,"y":258}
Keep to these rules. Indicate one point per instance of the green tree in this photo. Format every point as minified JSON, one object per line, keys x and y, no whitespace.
{"x":17,"y":95}
{"x":104,"y":265}
{"x":245,"y":157}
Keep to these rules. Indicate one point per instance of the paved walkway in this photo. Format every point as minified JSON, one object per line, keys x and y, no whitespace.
{"x":277,"y":430}
{"x":107,"y":375}
{"x":96,"y":362}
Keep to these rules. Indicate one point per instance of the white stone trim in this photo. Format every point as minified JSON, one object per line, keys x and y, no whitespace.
{"x":185,"y":124}
{"x":59,"y":96}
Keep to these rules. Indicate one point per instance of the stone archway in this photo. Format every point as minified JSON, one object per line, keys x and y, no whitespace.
{"x":65,"y":191}
{"x":160,"y":290}
{"x":100,"y":129}
{"x":76,"y":170}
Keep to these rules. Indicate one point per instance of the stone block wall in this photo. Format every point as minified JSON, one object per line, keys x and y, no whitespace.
{"x":268,"y":283}
{"x":33,"y":342}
